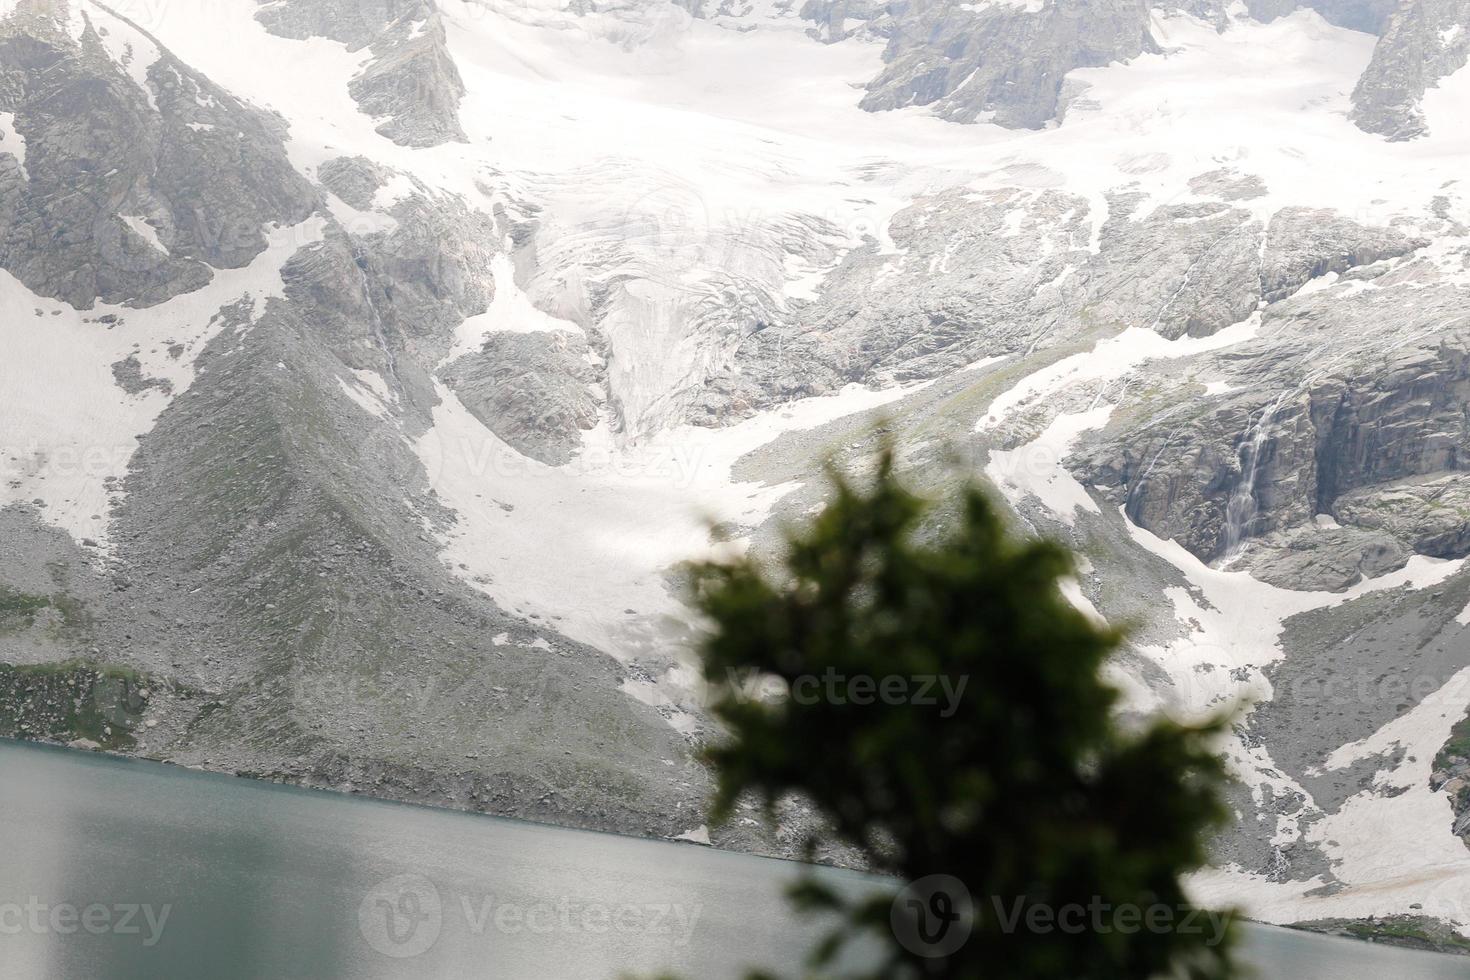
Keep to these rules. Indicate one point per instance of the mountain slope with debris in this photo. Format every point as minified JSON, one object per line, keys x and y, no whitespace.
{"x":371,"y":368}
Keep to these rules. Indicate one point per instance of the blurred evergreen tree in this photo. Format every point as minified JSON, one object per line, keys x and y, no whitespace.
{"x":1024,"y":787}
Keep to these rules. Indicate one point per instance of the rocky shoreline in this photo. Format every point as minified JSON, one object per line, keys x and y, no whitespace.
{"x":1405,"y":931}
{"x":96,"y":708}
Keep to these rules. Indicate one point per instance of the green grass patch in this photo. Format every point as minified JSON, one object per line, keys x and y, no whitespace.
{"x":1459,"y":743}
{"x":1406,"y":931}
{"x":75,"y":699}
{"x":18,"y":609}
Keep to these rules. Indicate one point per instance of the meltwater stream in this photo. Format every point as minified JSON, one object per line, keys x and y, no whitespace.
{"x":229,"y":879}
{"x":1242,"y":507}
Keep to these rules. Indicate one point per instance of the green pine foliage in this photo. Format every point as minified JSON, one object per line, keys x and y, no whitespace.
{"x":1025,"y":787}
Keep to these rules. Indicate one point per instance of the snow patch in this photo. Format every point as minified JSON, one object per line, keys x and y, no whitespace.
{"x":145,"y":231}
{"x":1108,"y":360}
{"x":68,"y":424}
{"x":594,"y":538}
{"x":370,"y":392}
{"x":1035,"y":469}
{"x":1071,"y":590}
{"x":356,"y":222}
{"x":129,"y":47}
{"x":511,"y":311}
{"x":1392,"y":844}
{"x":985,"y":362}
{"x":11,"y":141}
{"x":1390,"y":851}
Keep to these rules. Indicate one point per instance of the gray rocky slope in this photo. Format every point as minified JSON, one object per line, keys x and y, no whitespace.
{"x":1423,"y":42}
{"x":270,"y":575}
{"x":410,"y":81}
{"x":1007,"y":62}
{"x":1210,"y":390}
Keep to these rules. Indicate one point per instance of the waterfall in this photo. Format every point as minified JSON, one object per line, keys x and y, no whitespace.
{"x":1241,"y":509}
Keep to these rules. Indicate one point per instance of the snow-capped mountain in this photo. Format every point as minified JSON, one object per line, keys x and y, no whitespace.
{"x":369,"y":368}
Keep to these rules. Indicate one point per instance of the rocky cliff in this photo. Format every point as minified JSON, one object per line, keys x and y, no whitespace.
{"x":1424,"y":41}
{"x":409,"y":80}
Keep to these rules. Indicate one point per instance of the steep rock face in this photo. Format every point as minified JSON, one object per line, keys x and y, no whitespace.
{"x":837,"y":20}
{"x":1005,"y":62}
{"x":1303,"y":243}
{"x":388,"y":286}
{"x":356,"y":180}
{"x":1423,"y":42}
{"x":1368,"y":16}
{"x":530,"y":389}
{"x":1190,"y":269}
{"x":411,"y":82}
{"x":414,"y":83}
{"x":139,"y":173}
{"x":327,"y":278}
{"x":1354,"y":410}
{"x":1433,"y":516}
{"x":433,"y":267}
{"x":986,"y":274}
{"x":1000,"y":62}
{"x":1407,"y":419}
{"x":1180,"y":483}
{"x":976,"y":275}
{"x":355,"y":23}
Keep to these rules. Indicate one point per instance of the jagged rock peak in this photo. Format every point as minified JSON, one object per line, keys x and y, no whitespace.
{"x":1001,"y":62}
{"x":1424,"y":41}
{"x":411,"y":82}
{"x":142,"y":174}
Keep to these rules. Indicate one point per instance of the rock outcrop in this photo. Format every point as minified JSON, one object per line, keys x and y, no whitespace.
{"x":1323,"y":556}
{"x":411,"y":82}
{"x":998,"y":62}
{"x":533,"y":390}
{"x":140,"y":174}
{"x":1303,"y":243}
{"x":1423,"y":42}
{"x":1337,"y":415}
{"x":1368,"y":16}
{"x":1006,"y":61}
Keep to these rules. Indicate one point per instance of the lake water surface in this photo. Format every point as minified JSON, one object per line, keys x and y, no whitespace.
{"x":115,"y":870}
